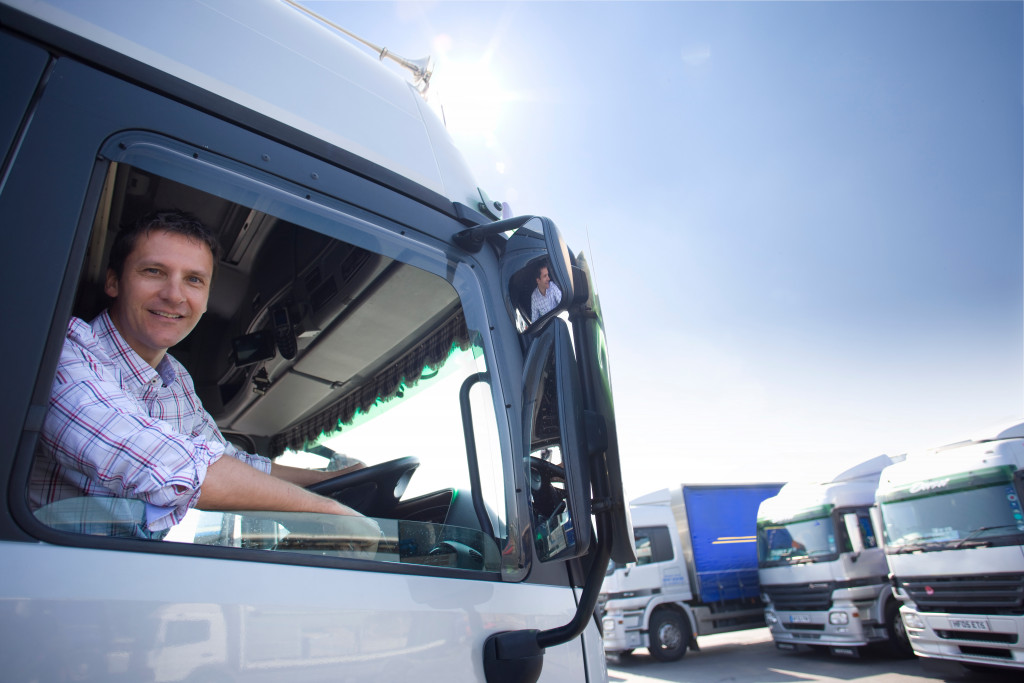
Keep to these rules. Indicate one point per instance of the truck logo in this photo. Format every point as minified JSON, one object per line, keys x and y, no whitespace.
{"x":929,"y":485}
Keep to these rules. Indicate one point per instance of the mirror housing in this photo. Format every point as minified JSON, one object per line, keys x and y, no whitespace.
{"x":551,"y":407}
{"x":852,"y":523}
{"x":535,"y":242}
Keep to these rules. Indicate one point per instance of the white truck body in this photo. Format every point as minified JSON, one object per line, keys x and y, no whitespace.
{"x":954,"y":537}
{"x":823,"y":572}
{"x":695,"y":574}
{"x":365,"y":285}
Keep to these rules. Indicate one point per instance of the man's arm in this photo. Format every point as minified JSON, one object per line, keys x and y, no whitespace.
{"x":304,"y":477}
{"x":233,"y":485}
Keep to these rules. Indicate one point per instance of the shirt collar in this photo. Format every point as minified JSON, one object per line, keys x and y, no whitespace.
{"x":125,"y":356}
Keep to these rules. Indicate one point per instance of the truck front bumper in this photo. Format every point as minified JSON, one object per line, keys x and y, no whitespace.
{"x":623,"y":631}
{"x":969,"y":638}
{"x":841,"y":629}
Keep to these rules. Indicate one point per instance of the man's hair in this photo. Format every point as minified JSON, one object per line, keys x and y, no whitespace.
{"x":539,"y":267}
{"x":173,"y":221}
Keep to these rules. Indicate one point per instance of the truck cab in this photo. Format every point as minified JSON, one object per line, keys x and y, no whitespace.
{"x":369,"y":301}
{"x":953,"y":536}
{"x":822,"y":569}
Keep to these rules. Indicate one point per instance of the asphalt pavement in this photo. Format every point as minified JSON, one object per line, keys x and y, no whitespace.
{"x":751,"y":657}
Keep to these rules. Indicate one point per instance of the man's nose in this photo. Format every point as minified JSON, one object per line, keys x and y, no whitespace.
{"x":173,"y":290}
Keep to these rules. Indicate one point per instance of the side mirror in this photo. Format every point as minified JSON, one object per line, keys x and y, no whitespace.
{"x":554,"y":433}
{"x":536,"y":244}
{"x":852,"y":522}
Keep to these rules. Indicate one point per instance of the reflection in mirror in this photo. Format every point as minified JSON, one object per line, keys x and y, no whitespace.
{"x":554,"y":507}
{"x":535,"y":291}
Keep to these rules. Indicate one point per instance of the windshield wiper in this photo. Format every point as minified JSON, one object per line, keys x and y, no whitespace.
{"x":981,"y":543}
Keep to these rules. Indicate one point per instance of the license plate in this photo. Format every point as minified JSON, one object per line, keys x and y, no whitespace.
{"x":799,"y":618}
{"x":969,"y":624}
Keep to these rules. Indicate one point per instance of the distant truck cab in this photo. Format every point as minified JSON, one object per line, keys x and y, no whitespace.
{"x":370,"y":302}
{"x":954,"y":536}
{"x":822,"y":568}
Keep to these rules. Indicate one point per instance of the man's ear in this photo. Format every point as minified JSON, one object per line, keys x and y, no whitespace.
{"x":111,"y":287}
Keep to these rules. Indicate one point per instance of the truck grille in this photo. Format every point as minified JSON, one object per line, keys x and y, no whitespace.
{"x":800,"y":597}
{"x":986,"y":594}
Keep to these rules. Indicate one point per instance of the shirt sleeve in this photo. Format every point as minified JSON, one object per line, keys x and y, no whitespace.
{"x":205,"y":428}
{"x":97,"y":429}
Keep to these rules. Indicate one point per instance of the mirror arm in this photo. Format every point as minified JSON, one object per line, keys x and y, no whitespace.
{"x":472,"y":239}
{"x":471,"y":457}
{"x":517,"y":656}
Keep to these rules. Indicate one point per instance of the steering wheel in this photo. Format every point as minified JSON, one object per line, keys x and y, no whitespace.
{"x":374,"y":490}
{"x":545,"y":496}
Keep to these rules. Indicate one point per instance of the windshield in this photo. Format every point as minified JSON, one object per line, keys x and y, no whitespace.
{"x":961,"y":517}
{"x":802,"y":540}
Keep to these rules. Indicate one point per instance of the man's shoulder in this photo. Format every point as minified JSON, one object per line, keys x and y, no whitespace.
{"x":83,"y":352}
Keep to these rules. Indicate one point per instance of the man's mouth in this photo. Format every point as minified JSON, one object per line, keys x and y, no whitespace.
{"x":172,"y":316}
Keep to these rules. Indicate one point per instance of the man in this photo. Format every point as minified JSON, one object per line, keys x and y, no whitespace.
{"x":545,"y":296}
{"x":124,"y":420}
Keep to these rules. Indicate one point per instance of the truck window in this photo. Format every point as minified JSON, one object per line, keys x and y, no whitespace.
{"x":328,"y":337}
{"x":653,"y":544}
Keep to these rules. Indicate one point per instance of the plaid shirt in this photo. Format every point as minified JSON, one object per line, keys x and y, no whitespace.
{"x":117,"y":427}
{"x":542,"y":303}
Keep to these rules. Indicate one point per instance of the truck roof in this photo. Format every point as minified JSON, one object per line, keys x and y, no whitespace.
{"x":266,"y":58}
{"x":855,"y":486}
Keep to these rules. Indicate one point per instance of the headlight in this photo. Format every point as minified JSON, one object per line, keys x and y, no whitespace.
{"x":913,"y":620}
{"x":837,"y":618}
{"x":771,"y":618}
{"x":609,"y":624}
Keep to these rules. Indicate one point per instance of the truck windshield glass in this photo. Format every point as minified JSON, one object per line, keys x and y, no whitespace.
{"x":805,"y":540}
{"x":957,"y":517}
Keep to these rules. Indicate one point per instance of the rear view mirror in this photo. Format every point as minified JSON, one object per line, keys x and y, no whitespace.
{"x":556,"y":468}
{"x":536,"y":271}
{"x":852,"y":523}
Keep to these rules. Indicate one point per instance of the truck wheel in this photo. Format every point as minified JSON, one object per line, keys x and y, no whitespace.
{"x":669,"y":636}
{"x":898,"y":643}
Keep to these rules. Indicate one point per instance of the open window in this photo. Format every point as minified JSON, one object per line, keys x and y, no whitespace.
{"x":329,"y":338}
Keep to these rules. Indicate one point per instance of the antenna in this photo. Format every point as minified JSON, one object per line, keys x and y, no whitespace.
{"x":421,"y":68}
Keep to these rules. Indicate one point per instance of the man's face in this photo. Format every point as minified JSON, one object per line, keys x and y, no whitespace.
{"x":542,"y":281}
{"x":162,"y":292}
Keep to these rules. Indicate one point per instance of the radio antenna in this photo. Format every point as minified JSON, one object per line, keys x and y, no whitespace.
{"x":421,"y":68}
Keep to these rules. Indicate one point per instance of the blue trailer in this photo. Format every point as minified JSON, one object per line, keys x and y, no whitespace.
{"x":696,"y":569}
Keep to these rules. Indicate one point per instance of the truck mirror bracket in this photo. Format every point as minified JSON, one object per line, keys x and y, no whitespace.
{"x":518,"y":656}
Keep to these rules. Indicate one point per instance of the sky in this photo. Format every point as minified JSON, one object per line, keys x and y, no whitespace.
{"x":804,"y":219}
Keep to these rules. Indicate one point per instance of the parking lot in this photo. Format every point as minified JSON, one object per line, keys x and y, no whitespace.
{"x":751,"y":657}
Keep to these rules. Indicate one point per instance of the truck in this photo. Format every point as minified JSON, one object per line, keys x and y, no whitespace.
{"x":953,"y":533}
{"x":695,"y":572}
{"x":822,"y":568}
{"x":369,"y":300}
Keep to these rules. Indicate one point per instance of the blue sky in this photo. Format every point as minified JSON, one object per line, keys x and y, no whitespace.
{"x":805,"y":218}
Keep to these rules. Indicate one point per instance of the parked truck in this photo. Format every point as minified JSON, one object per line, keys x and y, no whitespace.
{"x":954,"y":539}
{"x":822,"y":568}
{"x":368,"y":299}
{"x":695,"y":572}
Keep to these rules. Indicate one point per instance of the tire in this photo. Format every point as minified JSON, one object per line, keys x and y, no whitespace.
{"x":898,"y":643}
{"x":669,"y":635}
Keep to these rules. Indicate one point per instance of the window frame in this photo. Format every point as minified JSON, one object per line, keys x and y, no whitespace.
{"x":116,"y":113}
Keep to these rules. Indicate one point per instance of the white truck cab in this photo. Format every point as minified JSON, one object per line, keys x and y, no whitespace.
{"x":954,"y":538}
{"x":822,"y":569}
{"x":368,"y":302}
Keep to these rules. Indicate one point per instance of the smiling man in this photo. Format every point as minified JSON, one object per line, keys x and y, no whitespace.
{"x":124,"y":420}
